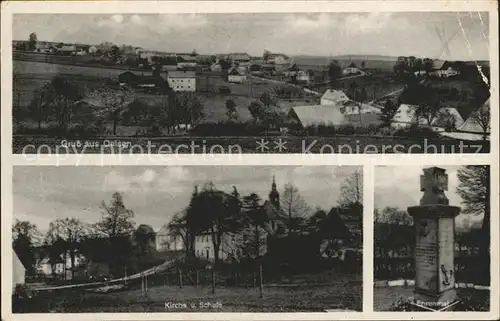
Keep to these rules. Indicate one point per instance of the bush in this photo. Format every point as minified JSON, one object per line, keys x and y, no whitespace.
{"x":415,"y":131}
{"x":229,"y":129}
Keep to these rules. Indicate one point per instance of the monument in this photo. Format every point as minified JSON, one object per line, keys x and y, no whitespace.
{"x":434,"y":251}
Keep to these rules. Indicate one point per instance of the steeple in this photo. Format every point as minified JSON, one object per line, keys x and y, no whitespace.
{"x":274,"y":195}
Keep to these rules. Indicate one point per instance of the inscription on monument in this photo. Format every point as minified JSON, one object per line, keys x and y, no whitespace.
{"x":446,"y":254}
{"x":426,"y":254}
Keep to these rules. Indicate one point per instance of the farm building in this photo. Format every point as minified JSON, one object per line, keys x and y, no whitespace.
{"x":333,"y":97}
{"x":306,"y":116}
{"x":278,"y":59}
{"x":302,"y":77}
{"x":477,"y":120}
{"x":351,"y":70}
{"x":186,"y":62}
{"x":67,"y":49}
{"x":182,"y":80}
{"x":236,"y":76}
{"x":128,"y":78}
{"x":443,"y":69}
{"x":18,"y":271}
{"x":448,"y":118}
{"x":240,"y":58}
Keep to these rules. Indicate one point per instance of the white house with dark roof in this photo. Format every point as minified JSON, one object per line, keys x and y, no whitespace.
{"x":351,"y":70}
{"x":18,"y":271}
{"x":443,"y":69}
{"x":448,"y":117}
{"x":235,"y":75}
{"x":182,"y":80}
{"x":333,"y":97}
{"x":307,"y":116}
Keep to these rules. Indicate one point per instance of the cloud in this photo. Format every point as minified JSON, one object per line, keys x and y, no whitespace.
{"x":307,"y":23}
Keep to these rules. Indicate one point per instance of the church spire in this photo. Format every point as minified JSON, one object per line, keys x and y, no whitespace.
{"x":274,"y":195}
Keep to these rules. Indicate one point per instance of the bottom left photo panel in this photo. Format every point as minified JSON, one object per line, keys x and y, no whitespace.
{"x":94,"y":239}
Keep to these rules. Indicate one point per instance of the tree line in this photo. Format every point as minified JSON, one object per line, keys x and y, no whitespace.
{"x":225,"y":217}
{"x":64,"y":103}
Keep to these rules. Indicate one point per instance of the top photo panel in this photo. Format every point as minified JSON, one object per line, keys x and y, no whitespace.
{"x":226,"y":83}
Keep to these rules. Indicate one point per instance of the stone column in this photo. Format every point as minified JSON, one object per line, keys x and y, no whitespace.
{"x":434,"y":221}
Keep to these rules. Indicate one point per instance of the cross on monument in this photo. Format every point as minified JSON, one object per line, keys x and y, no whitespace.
{"x":433,"y":183}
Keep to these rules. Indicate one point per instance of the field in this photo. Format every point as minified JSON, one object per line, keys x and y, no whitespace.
{"x":371,"y":62}
{"x":342,"y":292}
{"x":31,"y":76}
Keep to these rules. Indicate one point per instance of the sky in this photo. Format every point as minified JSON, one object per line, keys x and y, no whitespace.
{"x":399,"y":186}
{"x":323,"y":34}
{"x":43,"y":194}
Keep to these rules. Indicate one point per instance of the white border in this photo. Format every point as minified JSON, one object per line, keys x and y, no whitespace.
{"x":8,"y":160}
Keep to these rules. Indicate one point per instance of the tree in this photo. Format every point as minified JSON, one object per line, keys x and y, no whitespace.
{"x":352,"y":190}
{"x":482,"y":117}
{"x":429,"y":107}
{"x":266,"y":55}
{"x":70,"y":232}
{"x":231,"y":112}
{"x":33,"y":40}
{"x":295,"y":207}
{"x":394,"y":215}
{"x":475,"y":190}
{"x":266,"y":99}
{"x":57,"y":99}
{"x":216,"y":213}
{"x":178,"y":229}
{"x":388,"y":112}
{"x":24,"y":237}
{"x":116,"y":218}
{"x":112,"y":103}
{"x":334,"y":72}
{"x":253,"y":235}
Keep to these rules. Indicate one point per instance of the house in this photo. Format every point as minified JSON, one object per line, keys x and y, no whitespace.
{"x":67,"y":50}
{"x":333,"y":97}
{"x":128,"y":78}
{"x":216,"y":67}
{"x":182,"y":80}
{"x":186,"y":62}
{"x":278,"y":59}
{"x":235,"y":75}
{"x":44,"y":47}
{"x":301,"y":117}
{"x":443,"y":69}
{"x":302,"y":77}
{"x":351,"y":70}
{"x":18,"y":271}
{"x":240,"y":58}
{"x":447,"y":118}
{"x":151,"y":83}
{"x":478,"y":120}
{"x":81,"y":50}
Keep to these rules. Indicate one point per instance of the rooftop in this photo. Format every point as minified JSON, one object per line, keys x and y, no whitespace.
{"x":181,"y":74}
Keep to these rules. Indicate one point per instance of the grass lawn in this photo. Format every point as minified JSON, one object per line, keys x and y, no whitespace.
{"x":340,"y":293}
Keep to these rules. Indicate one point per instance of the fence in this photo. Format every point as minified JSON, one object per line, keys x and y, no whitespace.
{"x":467,"y":268}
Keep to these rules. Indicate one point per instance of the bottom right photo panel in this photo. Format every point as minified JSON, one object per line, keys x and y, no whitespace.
{"x":432,"y":238}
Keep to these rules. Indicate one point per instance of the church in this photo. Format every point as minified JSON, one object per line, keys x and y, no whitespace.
{"x":232,"y":243}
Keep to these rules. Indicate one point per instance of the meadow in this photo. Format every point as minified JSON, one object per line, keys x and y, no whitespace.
{"x":305,"y":294}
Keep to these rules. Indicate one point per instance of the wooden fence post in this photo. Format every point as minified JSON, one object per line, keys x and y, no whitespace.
{"x":213,"y":282}
{"x":180,"y":278}
{"x":197,"y":278}
{"x":261,"y":283}
{"x":142,"y":285}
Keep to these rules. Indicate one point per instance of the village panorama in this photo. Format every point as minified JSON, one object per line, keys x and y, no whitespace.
{"x":361,"y":86}
{"x":187,"y":239}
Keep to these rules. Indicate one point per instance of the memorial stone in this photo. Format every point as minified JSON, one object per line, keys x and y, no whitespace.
{"x":434,"y":251}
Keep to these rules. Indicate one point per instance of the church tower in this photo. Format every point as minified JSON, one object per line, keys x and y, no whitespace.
{"x":274,"y":195}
